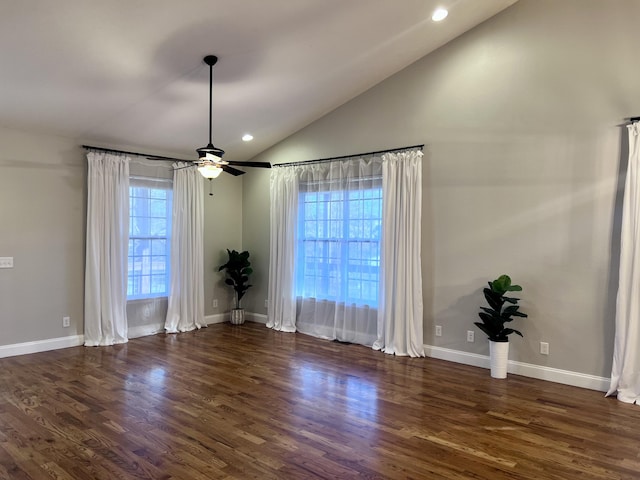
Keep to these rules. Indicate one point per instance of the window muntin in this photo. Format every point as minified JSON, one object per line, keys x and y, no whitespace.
{"x":150,"y":204}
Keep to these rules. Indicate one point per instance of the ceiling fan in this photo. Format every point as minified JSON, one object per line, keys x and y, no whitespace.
{"x":210,"y":163}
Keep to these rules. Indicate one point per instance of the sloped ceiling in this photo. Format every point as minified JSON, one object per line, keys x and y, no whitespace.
{"x":125,"y":73}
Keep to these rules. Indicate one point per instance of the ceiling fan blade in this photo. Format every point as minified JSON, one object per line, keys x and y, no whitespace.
{"x":232,"y":171}
{"x":249,"y":164}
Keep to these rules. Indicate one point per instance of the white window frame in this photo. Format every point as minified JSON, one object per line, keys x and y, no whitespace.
{"x":368,"y":266}
{"x":147,"y":270}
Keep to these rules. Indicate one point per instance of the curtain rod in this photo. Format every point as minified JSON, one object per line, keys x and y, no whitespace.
{"x":320,"y":160}
{"x":148,"y":155}
{"x":634,"y":119}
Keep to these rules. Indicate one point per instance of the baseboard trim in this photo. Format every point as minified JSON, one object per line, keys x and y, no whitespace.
{"x":225,"y":317}
{"x":216,"y":318}
{"x":40,"y":346}
{"x":540,"y":372}
{"x":256,"y":317}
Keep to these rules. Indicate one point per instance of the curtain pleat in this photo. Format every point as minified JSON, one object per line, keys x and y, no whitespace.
{"x":625,"y":374}
{"x":185,"y":310}
{"x":400,"y":322}
{"x":282,"y":251}
{"x":105,"y":315}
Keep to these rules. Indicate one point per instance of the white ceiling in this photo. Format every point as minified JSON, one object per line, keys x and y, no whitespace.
{"x":125,"y":73}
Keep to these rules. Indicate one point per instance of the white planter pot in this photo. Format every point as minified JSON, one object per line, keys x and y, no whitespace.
{"x":499,"y":356}
{"x":237,"y":316}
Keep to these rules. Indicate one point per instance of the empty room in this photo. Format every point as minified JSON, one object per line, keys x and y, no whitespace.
{"x":319,"y":239}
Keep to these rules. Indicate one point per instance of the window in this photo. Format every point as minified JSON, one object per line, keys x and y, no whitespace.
{"x":150,"y":202}
{"x":338,"y":255}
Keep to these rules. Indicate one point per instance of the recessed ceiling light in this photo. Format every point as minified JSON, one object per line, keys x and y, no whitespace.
{"x":439,"y":15}
{"x":247,"y":137}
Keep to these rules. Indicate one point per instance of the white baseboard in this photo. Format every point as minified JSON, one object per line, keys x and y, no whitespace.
{"x":225,"y":317}
{"x":216,"y":318}
{"x":256,"y":317}
{"x":41,"y":346}
{"x":565,"y":377}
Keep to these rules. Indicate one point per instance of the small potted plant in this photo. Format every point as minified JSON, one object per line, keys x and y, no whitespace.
{"x":238,"y":268}
{"x":493,"y":322}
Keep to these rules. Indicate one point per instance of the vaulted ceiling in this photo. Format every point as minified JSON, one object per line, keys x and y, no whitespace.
{"x":125,"y":73}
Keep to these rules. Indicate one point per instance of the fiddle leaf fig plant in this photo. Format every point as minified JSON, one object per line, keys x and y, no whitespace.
{"x":238,"y":268}
{"x":497,"y":314}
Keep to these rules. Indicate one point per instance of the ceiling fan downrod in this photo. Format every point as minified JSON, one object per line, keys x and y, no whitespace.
{"x":210,"y":60}
{"x":210,"y":149}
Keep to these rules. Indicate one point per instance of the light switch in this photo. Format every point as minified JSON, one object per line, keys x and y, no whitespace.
{"x":6,"y":262}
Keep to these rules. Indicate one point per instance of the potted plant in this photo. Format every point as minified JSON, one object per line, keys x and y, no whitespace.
{"x":493,"y":322}
{"x":238,"y":268}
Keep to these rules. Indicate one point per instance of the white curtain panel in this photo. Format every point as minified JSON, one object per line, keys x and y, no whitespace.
{"x":400,"y":329}
{"x":625,"y":374}
{"x":337,"y":293}
{"x":185,"y":311}
{"x":105,"y":316}
{"x":284,"y":207}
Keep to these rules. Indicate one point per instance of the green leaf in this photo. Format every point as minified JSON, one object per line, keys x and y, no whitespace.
{"x":510,"y":310}
{"x":501,"y":284}
{"x":487,"y":332}
{"x":509,"y":331}
{"x":490,"y":311}
{"x":493,"y":299}
{"x":488,"y":320}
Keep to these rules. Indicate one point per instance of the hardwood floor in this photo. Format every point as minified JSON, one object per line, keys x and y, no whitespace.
{"x":245,"y":402}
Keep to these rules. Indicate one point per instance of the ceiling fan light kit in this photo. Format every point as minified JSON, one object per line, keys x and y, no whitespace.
{"x":210,"y":170}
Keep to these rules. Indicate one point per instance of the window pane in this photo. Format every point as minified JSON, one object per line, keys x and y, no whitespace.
{"x":158,"y":208}
{"x":158,"y":227}
{"x":338,"y":244}
{"x":149,"y":234}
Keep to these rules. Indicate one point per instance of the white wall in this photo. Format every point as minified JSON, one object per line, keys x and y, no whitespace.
{"x":223,"y":229}
{"x":42,"y":218}
{"x":521,"y":121}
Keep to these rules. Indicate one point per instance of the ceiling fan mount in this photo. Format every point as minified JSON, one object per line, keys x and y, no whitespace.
{"x":211,"y":60}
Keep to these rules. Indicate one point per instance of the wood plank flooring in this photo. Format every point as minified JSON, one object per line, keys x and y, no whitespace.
{"x":245,"y":402}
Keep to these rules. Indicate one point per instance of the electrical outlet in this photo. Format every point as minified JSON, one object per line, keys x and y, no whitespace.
{"x":544,"y":348}
{"x":471,"y":336}
{"x":6,"y":262}
{"x":66,"y":322}
{"x":266,"y":303}
{"x":214,"y":303}
{"x":438,"y":330}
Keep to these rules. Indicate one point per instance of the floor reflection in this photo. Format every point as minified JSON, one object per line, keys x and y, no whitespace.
{"x":358,"y":397}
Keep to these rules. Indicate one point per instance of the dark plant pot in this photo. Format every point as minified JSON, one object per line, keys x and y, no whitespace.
{"x":237,"y":316}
